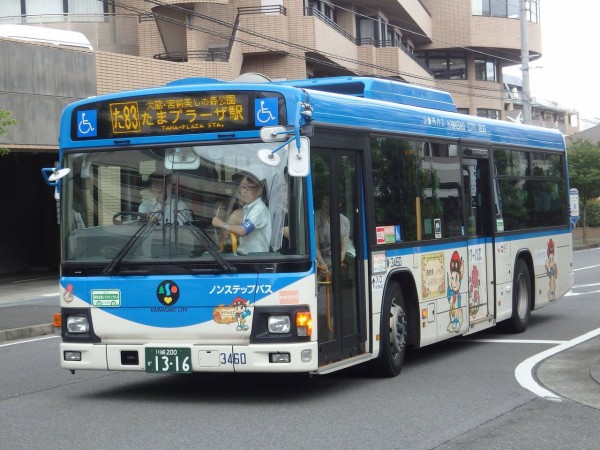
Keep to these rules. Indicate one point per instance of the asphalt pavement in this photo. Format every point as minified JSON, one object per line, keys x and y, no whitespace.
{"x":28,"y":303}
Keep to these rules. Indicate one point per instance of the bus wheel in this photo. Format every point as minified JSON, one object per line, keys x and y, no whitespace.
{"x":394,"y":332}
{"x":521,"y":308}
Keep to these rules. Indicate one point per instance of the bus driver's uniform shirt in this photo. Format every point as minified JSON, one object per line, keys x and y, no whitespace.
{"x":257,"y":224}
{"x":153,"y":206}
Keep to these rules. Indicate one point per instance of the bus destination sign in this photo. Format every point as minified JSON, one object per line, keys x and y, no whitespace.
{"x":178,"y":113}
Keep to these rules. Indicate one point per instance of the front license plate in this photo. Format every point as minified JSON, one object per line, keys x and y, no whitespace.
{"x":168,"y":360}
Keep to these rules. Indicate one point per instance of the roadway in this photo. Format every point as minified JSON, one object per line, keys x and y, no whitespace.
{"x":537,"y":389}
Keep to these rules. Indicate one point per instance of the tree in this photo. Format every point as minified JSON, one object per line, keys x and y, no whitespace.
{"x":584,"y":173}
{"x":5,"y":121}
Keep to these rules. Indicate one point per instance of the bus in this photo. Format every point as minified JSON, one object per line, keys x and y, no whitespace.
{"x":388,"y":221}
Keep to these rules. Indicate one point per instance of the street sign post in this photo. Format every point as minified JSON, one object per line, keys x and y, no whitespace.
{"x":574,"y":203}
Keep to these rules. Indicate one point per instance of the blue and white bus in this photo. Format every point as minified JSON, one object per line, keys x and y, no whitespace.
{"x":388,"y":220}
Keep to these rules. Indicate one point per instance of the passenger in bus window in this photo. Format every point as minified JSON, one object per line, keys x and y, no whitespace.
{"x":254,"y":230}
{"x":323,"y":232}
{"x":161,"y":201}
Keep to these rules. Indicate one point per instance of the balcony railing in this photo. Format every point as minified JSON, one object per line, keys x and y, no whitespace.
{"x":221,"y":54}
{"x":319,"y":15}
{"x":364,"y":41}
{"x":204,"y":55}
{"x":271,"y":9}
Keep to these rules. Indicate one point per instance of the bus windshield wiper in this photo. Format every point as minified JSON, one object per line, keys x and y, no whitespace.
{"x":201,"y":235}
{"x":142,"y":232}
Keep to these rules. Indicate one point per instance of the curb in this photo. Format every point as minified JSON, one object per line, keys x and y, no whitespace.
{"x":14,"y":334}
{"x":595,"y":371}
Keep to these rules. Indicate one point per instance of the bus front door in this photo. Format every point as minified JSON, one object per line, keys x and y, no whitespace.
{"x":480,"y":264}
{"x":341,"y":317}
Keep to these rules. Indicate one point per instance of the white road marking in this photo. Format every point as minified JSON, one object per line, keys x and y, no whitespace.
{"x":577,"y":286}
{"x":517,"y":341}
{"x":43,"y":338}
{"x":524,"y":371}
{"x":575,"y":294}
{"x":585,"y":268}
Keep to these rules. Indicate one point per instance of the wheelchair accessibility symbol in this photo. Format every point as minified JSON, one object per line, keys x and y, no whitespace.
{"x":87,"y":123}
{"x":266,"y":111}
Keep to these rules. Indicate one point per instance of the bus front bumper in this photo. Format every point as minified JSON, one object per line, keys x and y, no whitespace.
{"x":293,"y":357}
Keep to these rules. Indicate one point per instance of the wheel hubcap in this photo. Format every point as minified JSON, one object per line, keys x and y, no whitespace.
{"x":521,"y":297}
{"x":397,"y":329}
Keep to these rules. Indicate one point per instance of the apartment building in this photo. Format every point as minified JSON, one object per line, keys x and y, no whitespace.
{"x":456,"y":45}
{"x":544,"y":113}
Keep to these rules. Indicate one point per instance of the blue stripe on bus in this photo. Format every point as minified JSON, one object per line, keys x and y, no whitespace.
{"x":475,"y":241}
{"x":192,"y":303}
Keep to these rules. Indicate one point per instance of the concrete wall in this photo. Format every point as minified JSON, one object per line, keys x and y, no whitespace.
{"x":36,"y":84}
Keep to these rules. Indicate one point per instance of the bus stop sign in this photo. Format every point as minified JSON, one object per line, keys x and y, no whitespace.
{"x":574,"y":202}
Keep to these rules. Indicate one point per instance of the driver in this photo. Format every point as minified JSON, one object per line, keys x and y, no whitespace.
{"x":254,"y":230}
{"x":161,"y":200}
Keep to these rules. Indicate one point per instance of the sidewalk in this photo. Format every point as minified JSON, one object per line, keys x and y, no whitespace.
{"x":27,"y":305}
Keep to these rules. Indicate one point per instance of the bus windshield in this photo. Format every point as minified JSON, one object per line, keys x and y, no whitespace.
{"x":184,"y":204}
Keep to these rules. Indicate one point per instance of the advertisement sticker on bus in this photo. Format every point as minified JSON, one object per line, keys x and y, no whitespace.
{"x":433,"y":275}
{"x":105,"y":297}
{"x":387,"y":234}
{"x":378,"y":259}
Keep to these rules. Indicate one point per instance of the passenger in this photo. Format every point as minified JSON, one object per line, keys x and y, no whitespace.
{"x":162,"y":200}
{"x":254,"y":230}
{"x":323,"y":232}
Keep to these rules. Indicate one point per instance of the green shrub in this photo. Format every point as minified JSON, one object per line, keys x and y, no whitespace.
{"x":593,"y":213}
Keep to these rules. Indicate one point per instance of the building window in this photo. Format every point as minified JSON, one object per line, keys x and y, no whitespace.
{"x":489,"y":113}
{"x":53,"y":10}
{"x":11,"y":8}
{"x":445,"y":65}
{"x":486,"y":69}
{"x":369,"y":31}
{"x":505,"y":8}
{"x":391,"y":36}
{"x":85,"y":7}
{"x":324,"y":8}
{"x":463,"y":111}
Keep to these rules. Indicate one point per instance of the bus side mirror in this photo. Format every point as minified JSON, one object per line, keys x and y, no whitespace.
{"x":299,"y":158}
{"x":52,"y":175}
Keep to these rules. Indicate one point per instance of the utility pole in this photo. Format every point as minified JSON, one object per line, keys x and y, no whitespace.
{"x":525,"y":63}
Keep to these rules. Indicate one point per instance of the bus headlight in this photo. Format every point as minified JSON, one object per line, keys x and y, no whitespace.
{"x":77,"y":324}
{"x":279,"y":324}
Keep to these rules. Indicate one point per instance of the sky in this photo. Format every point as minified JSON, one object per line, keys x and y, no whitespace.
{"x":570,"y":63}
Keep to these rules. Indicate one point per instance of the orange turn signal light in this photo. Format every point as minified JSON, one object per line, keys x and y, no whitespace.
{"x":304,"y":323}
{"x":57,"y":320}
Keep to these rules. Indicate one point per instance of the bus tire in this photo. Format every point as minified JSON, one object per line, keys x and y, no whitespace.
{"x":521,"y":303}
{"x":393,"y":332}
